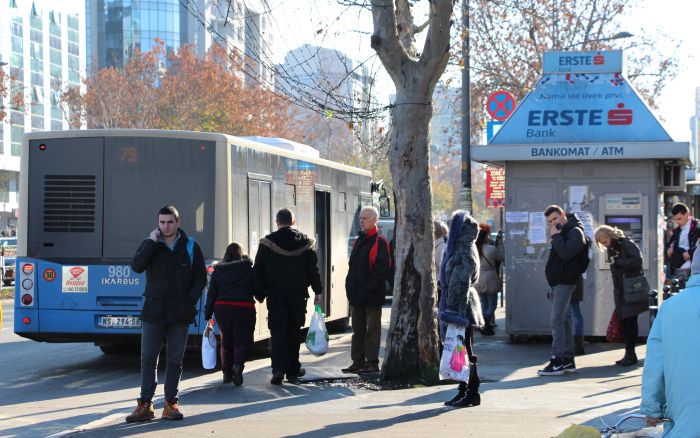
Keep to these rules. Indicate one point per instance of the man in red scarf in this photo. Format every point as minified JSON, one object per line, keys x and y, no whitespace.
{"x":370,"y":267}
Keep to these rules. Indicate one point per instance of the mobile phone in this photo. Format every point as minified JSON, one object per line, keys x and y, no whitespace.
{"x":558,"y":226}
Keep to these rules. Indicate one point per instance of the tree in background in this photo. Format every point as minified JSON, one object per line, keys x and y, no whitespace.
{"x":508,"y":39}
{"x":190,"y":94}
{"x":10,"y":86}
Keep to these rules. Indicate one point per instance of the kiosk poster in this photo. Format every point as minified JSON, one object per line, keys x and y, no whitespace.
{"x":495,"y":187}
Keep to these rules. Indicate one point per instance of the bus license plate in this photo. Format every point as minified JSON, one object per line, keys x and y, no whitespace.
{"x":121,"y":321}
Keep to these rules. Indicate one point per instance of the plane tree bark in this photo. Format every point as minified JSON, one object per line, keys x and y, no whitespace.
{"x":412,"y":343}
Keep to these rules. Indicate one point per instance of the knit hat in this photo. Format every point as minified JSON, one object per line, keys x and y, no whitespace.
{"x":695,"y":266}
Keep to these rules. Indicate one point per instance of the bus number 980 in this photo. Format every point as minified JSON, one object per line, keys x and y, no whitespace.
{"x":118,"y":271}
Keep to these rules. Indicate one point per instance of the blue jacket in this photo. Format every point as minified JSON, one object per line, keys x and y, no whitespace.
{"x":671,"y":381}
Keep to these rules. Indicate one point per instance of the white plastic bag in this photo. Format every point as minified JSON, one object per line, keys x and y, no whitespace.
{"x":454,"y":362}
{"x":317,"y":338}
{"x":209,"y":350}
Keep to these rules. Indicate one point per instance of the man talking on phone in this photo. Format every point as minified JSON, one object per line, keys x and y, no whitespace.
{"x":175,"y":278}
{"x":563,"y":270}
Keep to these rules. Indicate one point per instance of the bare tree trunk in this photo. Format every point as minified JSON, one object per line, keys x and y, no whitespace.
{"x":412,"y":342}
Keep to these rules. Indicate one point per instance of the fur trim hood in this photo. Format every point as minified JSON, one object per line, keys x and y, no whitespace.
{"x":288,"y":242}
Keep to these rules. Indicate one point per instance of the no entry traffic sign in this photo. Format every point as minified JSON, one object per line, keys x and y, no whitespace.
{"x":500,"y":105}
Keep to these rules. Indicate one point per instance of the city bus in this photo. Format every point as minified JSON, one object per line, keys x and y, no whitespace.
{"x":88,"y":198}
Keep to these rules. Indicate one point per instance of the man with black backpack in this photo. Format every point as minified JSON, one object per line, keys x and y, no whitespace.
{"x":568,"y":259}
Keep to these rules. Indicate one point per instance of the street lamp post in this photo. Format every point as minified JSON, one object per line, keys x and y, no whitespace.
{"x":465,"y":195}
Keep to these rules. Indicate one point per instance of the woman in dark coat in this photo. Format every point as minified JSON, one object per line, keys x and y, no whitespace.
{"x":489,"y":284}
{"x":459,"y":302}
{"x":232,"y":287}
{"x":626,"y":262}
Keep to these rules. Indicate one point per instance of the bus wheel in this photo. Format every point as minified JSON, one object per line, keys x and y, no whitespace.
{"x":339,"y":325}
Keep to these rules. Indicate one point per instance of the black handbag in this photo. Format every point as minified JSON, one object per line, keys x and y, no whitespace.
{"x":636,"y":289}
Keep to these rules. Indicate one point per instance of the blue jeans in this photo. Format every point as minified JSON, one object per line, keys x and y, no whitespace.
{"x":562,"y":332}
{"x":488,"y":306}
{"x":577,"y":317}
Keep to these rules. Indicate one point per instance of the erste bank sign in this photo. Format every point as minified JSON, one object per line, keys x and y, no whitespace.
{"x":582,"y":62}
{"x":577,"y":107}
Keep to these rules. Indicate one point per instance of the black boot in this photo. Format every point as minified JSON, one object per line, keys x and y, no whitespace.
{"x":472,"y":396}
{"x":228,"y":376}
{"x":629,"y":359}
{"x":461,"y":390}
{"x":578,"y":346}
{"x":237,"y":374}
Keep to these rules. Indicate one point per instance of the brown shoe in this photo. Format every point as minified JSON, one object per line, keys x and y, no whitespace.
{"x":171,"y":411}
{"x":143,"y":412}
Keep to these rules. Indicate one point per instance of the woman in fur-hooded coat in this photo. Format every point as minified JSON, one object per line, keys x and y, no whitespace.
{"x":459,"y":302}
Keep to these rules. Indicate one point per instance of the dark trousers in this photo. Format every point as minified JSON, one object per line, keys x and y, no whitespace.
{"x":152,"y":337}
{"x":474,"y":380}
{"x":630,"y":331}
{"x":286,"y":315}
{"x":237,"y":326}
{"x":366,"y":334}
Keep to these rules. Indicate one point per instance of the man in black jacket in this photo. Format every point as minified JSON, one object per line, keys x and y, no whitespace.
{"x":286,"y":265}
{"x":563,"y":271}
{"x":175,"y":278}
{"x":370,"y":267}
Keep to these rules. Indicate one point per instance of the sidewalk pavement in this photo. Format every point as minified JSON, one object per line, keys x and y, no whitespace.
{"x":515,"y":401}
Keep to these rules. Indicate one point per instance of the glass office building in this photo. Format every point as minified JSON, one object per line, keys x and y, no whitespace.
{"x":119,"y":27}
{"x":116,"y":28}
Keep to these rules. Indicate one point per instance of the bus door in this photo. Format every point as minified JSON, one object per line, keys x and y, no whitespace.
{"x":323,"y":245}
{"x":259,"y":226}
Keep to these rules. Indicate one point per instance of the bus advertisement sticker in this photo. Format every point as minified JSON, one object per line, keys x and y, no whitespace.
{"x":49,"y":274}
{"x":75,"y":279}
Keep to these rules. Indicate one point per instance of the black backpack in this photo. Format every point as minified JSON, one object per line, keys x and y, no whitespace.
{"x":583,"y":258}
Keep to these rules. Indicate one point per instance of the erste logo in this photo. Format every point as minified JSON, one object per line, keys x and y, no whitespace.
{"x":620,"y":116}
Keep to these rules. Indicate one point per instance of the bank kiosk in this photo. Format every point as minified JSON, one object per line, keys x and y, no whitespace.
{"x":583,"y":139}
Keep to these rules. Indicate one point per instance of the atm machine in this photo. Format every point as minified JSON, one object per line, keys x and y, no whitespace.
{"x":629,"y":213}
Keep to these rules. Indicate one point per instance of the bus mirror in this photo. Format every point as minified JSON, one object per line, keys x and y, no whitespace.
{"x":384,"y":205}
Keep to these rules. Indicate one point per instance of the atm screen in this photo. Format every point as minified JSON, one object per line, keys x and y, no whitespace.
{"x":630,"y":225}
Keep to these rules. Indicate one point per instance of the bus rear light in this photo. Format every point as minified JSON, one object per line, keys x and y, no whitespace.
{"x":210,"y":269}
{"x":27,"y":284}
{"x":27,"y":299}
{"x":26,"y":320}
{"x":28,"y":268}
